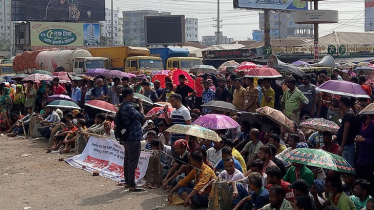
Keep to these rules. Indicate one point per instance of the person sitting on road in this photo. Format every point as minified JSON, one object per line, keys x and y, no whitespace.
{"x":226,"y":152}
{"x":53,"y":118}
{"x":69,"y":141}
{"x":59,"y":137}
{"x":22,"y":125}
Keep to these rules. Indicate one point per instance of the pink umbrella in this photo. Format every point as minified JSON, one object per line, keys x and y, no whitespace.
{"x":59,"y":97}
{"x":131,"y":75}
{"x":161,"y":72}
{"x":96,"y":72}
{"x":245,"y":66}
{"x":263,"y":73}
{"x":37,"y":77}
{"x":115,"y":73}
{"x":216,"y":122}
{"x":62,"y":78}
{"x":61,"y":73}
{"x":102,"y":105}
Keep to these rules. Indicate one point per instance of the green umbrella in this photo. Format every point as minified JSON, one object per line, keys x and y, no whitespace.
{"x":63,"y":104}
{"x":319,"y":158}
{"x":42,"y":72}
{"x":146,"y":101}
{"x":75,"y":78}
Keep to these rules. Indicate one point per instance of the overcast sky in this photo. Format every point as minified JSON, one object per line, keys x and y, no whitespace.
{"x":238,"y":23}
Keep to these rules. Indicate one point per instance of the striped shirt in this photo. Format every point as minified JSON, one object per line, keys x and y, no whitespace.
{"x":179,"y":116}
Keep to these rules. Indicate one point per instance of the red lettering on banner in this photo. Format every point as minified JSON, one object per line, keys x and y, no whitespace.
{"x":97,"y":163}
{"x":115,"y":168}
{"x":137,"y":173}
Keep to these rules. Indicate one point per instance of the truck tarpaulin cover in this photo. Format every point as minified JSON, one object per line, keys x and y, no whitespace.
{"x":164,"y":30}
{"x":59,"y":10}
{"x":24,"y":61}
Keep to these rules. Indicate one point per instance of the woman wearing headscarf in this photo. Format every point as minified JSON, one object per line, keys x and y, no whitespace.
{"x":6,"y":105}
{"x":19,"y":99}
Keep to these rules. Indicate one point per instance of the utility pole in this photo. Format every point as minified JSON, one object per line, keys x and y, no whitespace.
{"x":12,"y":38}
{"x":316,"y":34}
{"x":112,"y":27}
{"x":267,"y":28}
{"x":218,"y":25}
{"x":279,"y":24}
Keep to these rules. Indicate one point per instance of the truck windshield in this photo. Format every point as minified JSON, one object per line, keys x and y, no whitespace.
{"x":7,"y":70}
{"x":188,"y":64}
{"x":97,"y":64}
{"x":150,"y":64}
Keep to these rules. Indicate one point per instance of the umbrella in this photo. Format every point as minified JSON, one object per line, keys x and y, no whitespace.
{"x":160,"y":72}
{"x":195,"y":130}
{"x":162,"y":103}
{"x":369,"y":109}
{"x":290,"y":69}
{"x":363,"y":64}
{"x":75,"y":78}
{"x":114,"y":73}
{"x":265,"y":123}
{"x":174,"y":76}
{"x":347,"y":65}
{"x":60,"y":73}
{"x":204,"y":69}
{"x":131,"y":75}
{"x":62,"y":78}
{"x":220,"y":106}
{"x":301,"y":63}
{"x":320,"y":124}
{"x":365,"y":69}
{"x":319,"y":158}
{"x":159,"y":111}
{"x":19,"y":76}
{"x":146,"y":101}
{"x":245,"y":66}
{"x":339,"y":87}
{"x":37,"y":77}
{"x":96,"y":72}
{"x":42,"y":72}
{"x":102,"y":105}
{"x":277,"y":116}
{"x":337,"y":65}
{"x":263,"y":73}
{"x":228,"y":63}
{"x":216,"y":122}
{"x":161,"y":78}
{"x":2,"y":79}
{"x":58,"y":97}
{"x":228,"y":69}
{"x":63,"y":104}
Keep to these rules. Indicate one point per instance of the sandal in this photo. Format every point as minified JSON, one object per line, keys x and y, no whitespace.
{"x":136,"y":189}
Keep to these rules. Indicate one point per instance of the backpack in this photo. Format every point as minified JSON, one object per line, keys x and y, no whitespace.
{"x":120,"y":130}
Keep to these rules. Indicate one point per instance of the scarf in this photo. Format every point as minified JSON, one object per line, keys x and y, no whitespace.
{"x":19,"y":97}
{"x":3,"y":99}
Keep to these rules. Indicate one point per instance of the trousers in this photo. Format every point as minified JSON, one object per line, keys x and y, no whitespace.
{"x":130,"y":163}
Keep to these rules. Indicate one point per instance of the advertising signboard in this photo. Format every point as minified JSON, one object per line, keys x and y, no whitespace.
{"x":249,"y":54}
{"x":369,"y":15}
{"x":272,"y":4}
{"x":60,"y":10}
{"x":45,"y":35}
{"x":164,"y":30}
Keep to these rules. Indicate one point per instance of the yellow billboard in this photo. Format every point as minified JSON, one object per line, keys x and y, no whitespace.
{"x":45,"y":35}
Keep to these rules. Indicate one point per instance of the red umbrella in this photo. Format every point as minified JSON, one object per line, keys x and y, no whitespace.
{"x":160,"y":78}
{"x":263,"y":73}
{"x":174,"y":76}
{"x":245,"y":66}
{"x":160,"y":111}
{"x":102,"y":105}
{"x":62,"y":78}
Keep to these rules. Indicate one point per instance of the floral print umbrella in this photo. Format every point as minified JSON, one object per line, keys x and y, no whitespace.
{"x":37,"y":77}
{"x":195,"y":130}
{"x":216,"y":122}
{"x":320,"y":124}
{"x":277,"y":116}
{"x":160,"y":111}
{"x":319,"y":158}
{"x":58,"y":97}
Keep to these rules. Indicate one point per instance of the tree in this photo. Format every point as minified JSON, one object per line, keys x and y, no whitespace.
{"x":129,"y":42}
{"x":5,"y":44}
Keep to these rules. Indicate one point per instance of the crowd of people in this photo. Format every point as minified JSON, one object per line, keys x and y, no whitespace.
{"x":249,"y":159}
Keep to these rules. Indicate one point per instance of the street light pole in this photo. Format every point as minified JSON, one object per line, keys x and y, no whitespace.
{"x":111,"y":33}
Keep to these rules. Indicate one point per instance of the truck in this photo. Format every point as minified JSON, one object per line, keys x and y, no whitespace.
{"x":75,"y":61}
{"x":174,"y":57}
{"x":134,"y":60}
{"x":6,"y":69}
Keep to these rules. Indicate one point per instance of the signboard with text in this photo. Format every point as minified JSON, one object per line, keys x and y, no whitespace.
{"x":232,"y":54}
{"x":272,"y":4}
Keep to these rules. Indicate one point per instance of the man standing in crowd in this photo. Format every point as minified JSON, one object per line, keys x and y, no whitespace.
{"x":293,"y":101}
{"x":183,"y":90}
{"x":222,"y":93}
{"x":148,"y":92}
{"x":57,"y":89}
{"x":100,"y":92}
{"x":278,"y":94}
{"x":267,"y":93}
{"x":158,"y":89}
{"x":208,"y":95}
{"x":112,"y":92}
{"x":30,"y":95}
{"x":76,"y":93}
{"x":239,"y":95}
{"x":132,"y":120}
{"x":311,"y":94}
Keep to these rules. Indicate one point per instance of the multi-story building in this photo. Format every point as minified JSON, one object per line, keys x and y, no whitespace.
{"x":191,"y":30}
{"x":212,"y":40}
{"x":106,"y":28}
{"x":133,"y":26}
{"x":282,"y":25}
{"x":5,"y":19}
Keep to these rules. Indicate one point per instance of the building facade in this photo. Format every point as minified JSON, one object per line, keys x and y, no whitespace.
{"x":5,"y":19}
{"x":133,"y":26}
{"x":192,"y":29}
{"x":282,"y":25}
{"x":106,"y":28}
{"x":212,"y":40}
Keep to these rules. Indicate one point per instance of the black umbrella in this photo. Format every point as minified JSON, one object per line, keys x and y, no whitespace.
{"x":365,"y":69}
{"x":266,"y":124}
{"x":220,"y":106}
{"x":290,"y":69}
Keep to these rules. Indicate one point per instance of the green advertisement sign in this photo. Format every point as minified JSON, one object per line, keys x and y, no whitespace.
{"x":331,"y":49}
{"x":57,"y":37}
{"x":267,"y":51}
{"x":342,"y":49}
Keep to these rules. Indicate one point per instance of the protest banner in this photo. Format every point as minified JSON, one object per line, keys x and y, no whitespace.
{"x":106,"y":156}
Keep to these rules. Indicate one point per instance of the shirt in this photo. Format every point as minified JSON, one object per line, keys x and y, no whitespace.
{"x":237,"y":175}
{"x":221,"y":166}
{"x":366,"y":149}
{"x":222,"y":94}
{"x":26,"y":120}
{"x":259,"y":95}
{"x":292,"y":101}
{"x":213,"y":155}
{"x":334,"y":148}
{"x":30,"y":101}
{"x":270,"y":164}
{"x":271,"y":94}
{"x":278,"y":93}
{"x":152,"y":95}
{"x":261,"y":199}
{"x":76,"y":94}
{"x":240,"y":158}
{"x":166,"y":159}
{"x":184,"y":91}
{"x":358,"y":203}
{"x":309,"y":93}
{"x":201,"y":177}
{"x":208,"y":95}
{"x":97,"y":129}
{"x":343,"y":203}
{"x":53,"y":117}
{"x":289,"y":193}
{"x":281,"y":148}
{"x":305,"y":174}
{"x":252,"y":148}
{"x":239,"y":98}
{"x":351,"y":118}
{"x":99,"y":91}
{"x":88,"y":94}
{"x":286,"y":205}
{"x":132,"y":120}
{"x":58,"y":90}
{"x":315,"y":138}
{"x":179,"y":116}
{"x":112,"y":94}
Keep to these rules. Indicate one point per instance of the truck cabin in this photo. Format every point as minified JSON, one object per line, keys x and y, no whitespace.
{"x":184,"y":63}
{"x":143,"y":64}
{"x":81,"y":65}
{"x":7,"y":69}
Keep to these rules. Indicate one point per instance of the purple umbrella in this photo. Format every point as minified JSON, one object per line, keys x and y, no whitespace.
{"x":339,"y":87}
{"x":216,"y":122}
{"x":96,"y":72}
{"x":59,"y":97}
{"x":131,"y":75}
{"x":300,"y":63}
{"x":115,"y":73}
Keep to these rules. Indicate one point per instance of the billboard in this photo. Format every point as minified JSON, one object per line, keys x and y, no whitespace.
{"x":59,"y":10}
{"x":272,"y":4}
{"x":164,"y":30}
{"x":369,"y":15}
{"x":47,"y":35}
